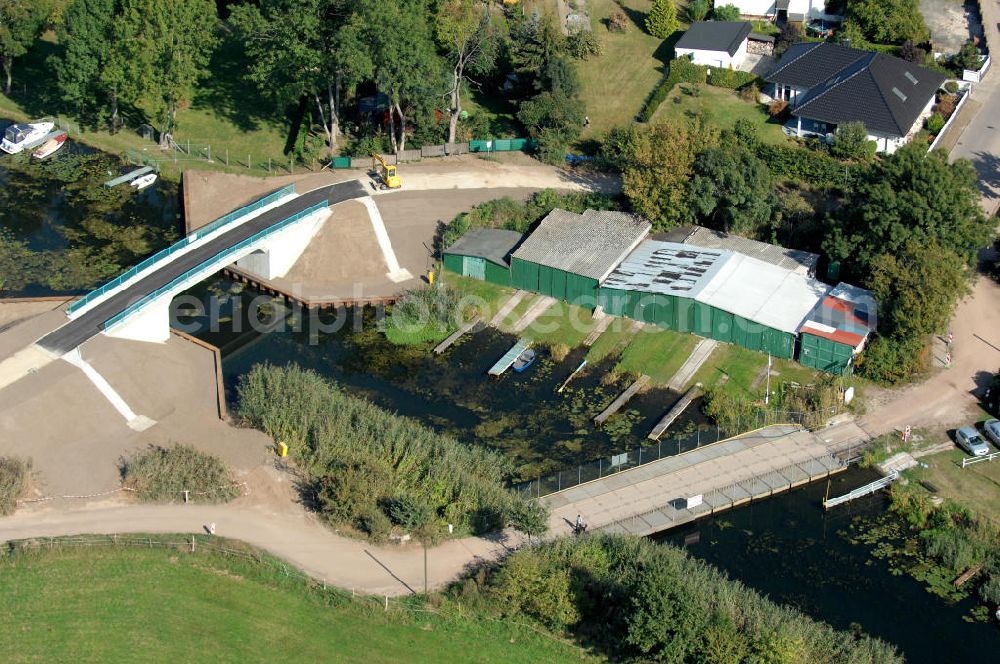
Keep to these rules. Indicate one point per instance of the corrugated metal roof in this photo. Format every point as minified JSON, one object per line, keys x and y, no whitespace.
{"x":493,"y":244}
{"x":667,"y":268}
{"x":803,"y":262}
{"x":761,"y":292}
{"x":591,"y":244}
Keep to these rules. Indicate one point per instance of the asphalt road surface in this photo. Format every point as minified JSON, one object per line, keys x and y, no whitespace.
{"x":79,"y":330}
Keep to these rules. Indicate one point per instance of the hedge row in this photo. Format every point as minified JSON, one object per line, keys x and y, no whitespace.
{"x":680,"y":70}
{"x":802,"y":164}
{"x":731,"y":78}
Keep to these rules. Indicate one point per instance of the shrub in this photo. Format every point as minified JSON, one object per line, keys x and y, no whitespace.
{"x":935,"y":123}
{"x":730,"y":411}
{"x":583,"y":44}
{"x":14,"y":474}
{"x":726,"y":13}
{"x":888,"y":360}
{"x":619,"y":22}
{"x":423,"y":315}
{"x":945,"y":106}
{"x":680,"y":70}
{"x":359,"y":461}
{"x":851,"y":142}
{"x":558,"y":351}
{"x":750,"y":93}
{"x":968,"y":57}
{"x":662,"y":19}
{"x":163,"y":474}
{"x":951,"y":87}
{"x":778,"y":109}
{"x":802,"y":165}
{"x":731,"y":79}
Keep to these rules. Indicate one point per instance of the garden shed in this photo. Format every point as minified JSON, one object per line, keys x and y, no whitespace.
{"x":483,"y":253}
{"x":715,"y":43}
{"x":837,"y":329}
{"x":569,"y":254}
{"x":713,"y":293}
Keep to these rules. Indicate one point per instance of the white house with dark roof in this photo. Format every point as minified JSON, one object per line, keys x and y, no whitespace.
{"x":828,"y":85}
{"x":799,"y":11}
{"x":715,"y":43}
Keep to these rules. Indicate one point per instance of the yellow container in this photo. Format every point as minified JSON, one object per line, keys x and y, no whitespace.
{"x":430,"y":277}
{"x":282,"y":450}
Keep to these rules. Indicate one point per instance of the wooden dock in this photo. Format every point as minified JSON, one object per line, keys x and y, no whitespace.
{"x":698,"y":356}
{"x":128,"y":177}
{"x":674,"y":412}
{"x":622,"y":399}
{"x":456,"y":335}
{"x":537,"y":308}
{"x":603,"y":323}
{"x":508,"y":358}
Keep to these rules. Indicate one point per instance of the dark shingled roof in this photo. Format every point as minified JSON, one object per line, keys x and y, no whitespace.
{"x":493,"y":244}
{"x":715,"y":36}
{"x":887,"y":94}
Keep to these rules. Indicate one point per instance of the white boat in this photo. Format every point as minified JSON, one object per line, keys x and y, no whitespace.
{"x":50,"y":146}
{"x":20,"y":135}
{"x":143,"y":181}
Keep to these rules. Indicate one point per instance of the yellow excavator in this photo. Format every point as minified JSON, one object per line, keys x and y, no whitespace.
{"x":385,"y":175}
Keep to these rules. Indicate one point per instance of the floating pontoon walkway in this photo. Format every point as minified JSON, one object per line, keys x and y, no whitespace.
{"x":128,"y":177}
{"x":622,"y":399}
{"x":508,"y":358}
{"x":861,"y":491}
{"x":455,"y":336}
{"x":673,"y":413}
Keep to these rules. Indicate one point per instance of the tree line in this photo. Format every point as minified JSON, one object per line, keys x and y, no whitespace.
{"x":317,"y":56}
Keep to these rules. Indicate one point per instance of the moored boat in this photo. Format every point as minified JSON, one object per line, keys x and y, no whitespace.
{"x":143,"y":181}
{"x":19,"y":136}
{"x":524,"y":360}
{"x":50,"y":146}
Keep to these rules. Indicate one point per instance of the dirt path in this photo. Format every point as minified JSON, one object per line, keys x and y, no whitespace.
{"x":949,"y":397}
{"x":291,"y":534}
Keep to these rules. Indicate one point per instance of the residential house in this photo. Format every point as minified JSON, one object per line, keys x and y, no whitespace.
{"x":715,"y":43}
{"x":829,"y":84}
{"x":796,"y":11}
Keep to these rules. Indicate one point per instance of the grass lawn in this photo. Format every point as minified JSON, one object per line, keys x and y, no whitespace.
{"x":745,"y":370}
{"x":562,"y":323}
{"x":494,"y":296}
{"x":658,"y":353}
{"x":116,"y":604}
{"x":719,"y":106}
{"x":615,"y":84}
{"x":977,"y":486}
{"x":612,"y":341}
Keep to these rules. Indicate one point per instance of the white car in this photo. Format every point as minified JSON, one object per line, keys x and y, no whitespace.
{"x":970,"y":441}
{"x":992,"y":430}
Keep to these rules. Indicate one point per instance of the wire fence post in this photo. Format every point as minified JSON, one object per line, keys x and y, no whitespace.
{"x":227,"y":156}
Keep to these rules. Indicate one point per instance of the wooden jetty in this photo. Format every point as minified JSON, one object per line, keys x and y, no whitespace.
{"x":455,"y":336}
{"x":508,"y":358}
{"x":674,"y":412}
{"x":128,"y":177}
{"x":507,"y":307}
{"x":622,"y":399}
{"x":865,"y":490}
{"x":572,"y":376}
{"x":603,"y":323}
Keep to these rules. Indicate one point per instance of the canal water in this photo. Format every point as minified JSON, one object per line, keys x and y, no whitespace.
{"x":61,"y":231}
{"x":790,"y":549}
{"x":520,"y":414}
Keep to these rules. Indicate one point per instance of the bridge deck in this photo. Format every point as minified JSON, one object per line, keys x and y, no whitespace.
{"x":79,"y":330}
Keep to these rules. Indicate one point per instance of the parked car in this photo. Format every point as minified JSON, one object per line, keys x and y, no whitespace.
{"x":970,"y":441}
{"x":992,"y":429}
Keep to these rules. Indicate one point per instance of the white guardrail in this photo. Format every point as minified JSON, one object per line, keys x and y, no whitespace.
{"x":968,"y":461}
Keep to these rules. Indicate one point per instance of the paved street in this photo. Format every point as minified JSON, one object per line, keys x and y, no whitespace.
{"x":980,"y":142}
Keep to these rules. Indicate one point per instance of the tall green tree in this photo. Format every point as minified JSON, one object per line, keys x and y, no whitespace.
{"x":294,"y":52}
{"x":657,"y":163}
{"x":21,"y":23}
{"x":726,"y":13}
{"x":165,"y":49}
{"x":396,"y":38}
{"x":889,"y":21}
{"x":662,"y":19}
{"x":90,"y":69}
{"x":910,"y":195}
{"x":852,"y":142}
{"x":732,"y":190}
{"x":470,"y":40}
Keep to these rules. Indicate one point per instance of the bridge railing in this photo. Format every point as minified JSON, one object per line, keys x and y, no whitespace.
{"x":180,"y":244}
{"x":146,"y":299}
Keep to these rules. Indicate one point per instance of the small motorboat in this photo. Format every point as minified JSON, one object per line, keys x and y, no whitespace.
{"x":50,"y":146}
{"x":143,"y":181}
{"x":19,"y":135}
{"x":524,"y":360}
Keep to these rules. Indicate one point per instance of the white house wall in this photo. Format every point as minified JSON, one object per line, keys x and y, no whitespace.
{"x":765,"y":8}
{"x":715,"y":58}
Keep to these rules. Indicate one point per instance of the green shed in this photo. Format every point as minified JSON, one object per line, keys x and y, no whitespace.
{"x":713,"y":293}
{"x":837,"y":329}
{"x":569,"y":254}
{"x":483,"y":253}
